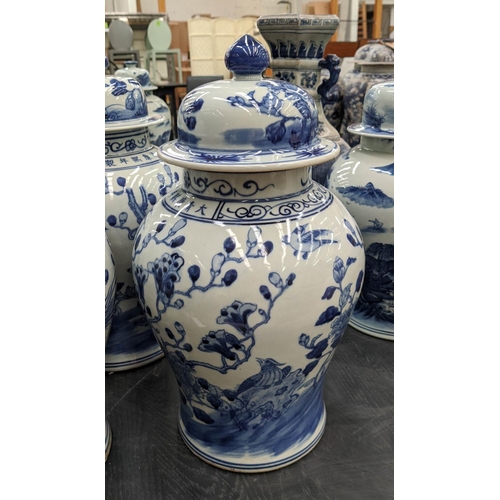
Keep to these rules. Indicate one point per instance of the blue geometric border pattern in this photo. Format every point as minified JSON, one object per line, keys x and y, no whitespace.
{"x":271,"y":211}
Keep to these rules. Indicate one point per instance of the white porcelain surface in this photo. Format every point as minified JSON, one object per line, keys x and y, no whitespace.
{"x":135,"y":179}
{"x":249,"y":277}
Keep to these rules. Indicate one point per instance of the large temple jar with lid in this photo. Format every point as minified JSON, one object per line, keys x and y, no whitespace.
{"x":249,"y":272}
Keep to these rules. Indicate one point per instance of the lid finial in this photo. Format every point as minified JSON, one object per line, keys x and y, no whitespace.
{"x":247,"y":56}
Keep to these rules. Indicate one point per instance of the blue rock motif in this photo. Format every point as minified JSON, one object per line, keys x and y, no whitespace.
{"x":368,"y":195}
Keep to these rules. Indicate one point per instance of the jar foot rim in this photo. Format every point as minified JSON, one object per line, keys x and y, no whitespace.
{"x":265,"y":465}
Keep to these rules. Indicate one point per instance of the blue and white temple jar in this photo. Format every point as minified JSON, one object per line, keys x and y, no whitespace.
{"x":374,"y":63}
{"x":297,"y":43}
{"x":109,"y":292}
{"x":135,"y":179}
{"x":160,"y":132}
{"x":250,"y":271}
{"x":363,"y":179}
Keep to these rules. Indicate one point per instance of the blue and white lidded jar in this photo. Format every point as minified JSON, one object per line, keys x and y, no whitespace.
{"x":250,"y":271}
{"x":160,"y":132}
{"x":374,"y":63}
{"x":364,"y":181}
{"x":135,"y":179}
{"x":109,"y":292}
{"x":297,"y":43}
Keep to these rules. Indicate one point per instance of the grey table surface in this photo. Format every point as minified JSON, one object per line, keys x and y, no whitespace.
{"x":354,"y":460}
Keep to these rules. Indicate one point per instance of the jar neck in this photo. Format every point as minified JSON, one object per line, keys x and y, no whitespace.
{"x":229,"y":186}
{"x":381,"y":145}
{"x":127,"y":142}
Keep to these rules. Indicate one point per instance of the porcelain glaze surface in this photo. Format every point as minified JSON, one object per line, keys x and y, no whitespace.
{"x":375,"y":64}
{"x":160,"y":132}
{"x":286,"y":35}
{"x":135,"y":179}
{"x":363,"y":179}
{"x":248,"y":278}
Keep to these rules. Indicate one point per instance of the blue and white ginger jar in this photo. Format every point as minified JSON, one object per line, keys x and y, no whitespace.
{"x":160,"y":132}
{"x":373,"y":64}
{"x":297,"y":43}
{"x":363,"y":179}
{"x":250,"y":271}
{"x":135,"y":179}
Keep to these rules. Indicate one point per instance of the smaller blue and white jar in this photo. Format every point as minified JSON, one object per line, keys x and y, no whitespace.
{"x":160,"y":132}
{"x":373,"y":64}
{"x":363,"y":179}
{"x":135,"y":179}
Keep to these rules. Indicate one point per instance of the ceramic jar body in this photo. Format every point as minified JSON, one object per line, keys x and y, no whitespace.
{"x":363,"y":179}
{"x":160,"y":133}
{"x":249,"y":281}
{"x":355,"y":87}
{"x":135,"y":179}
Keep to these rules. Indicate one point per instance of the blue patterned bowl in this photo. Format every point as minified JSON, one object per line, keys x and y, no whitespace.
{"x":378,"y":112}
{"x":248,"y":121}
{"x":126,"y":106}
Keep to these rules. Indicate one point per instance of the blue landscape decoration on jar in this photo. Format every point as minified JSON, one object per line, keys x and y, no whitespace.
{"x":134,"y":106}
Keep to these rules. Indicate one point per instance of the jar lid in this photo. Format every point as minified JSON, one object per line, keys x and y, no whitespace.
{"x":378,"y":113}
{"x":140,"y":74}
{"x":249,"y":122}
{"x":126,"y":105}
{"x":375,"y":52}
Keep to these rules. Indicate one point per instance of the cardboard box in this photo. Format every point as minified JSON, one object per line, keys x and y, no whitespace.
{"x":318,"y":8}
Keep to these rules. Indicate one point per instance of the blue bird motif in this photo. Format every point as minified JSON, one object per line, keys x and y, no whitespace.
{"x":270,"y":374}
{"x":305,"y":242}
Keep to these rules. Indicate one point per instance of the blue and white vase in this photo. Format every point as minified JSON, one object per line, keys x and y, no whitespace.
{"x":297,"y":43}
{"x":109,"y":292}
{"x":373,"y":64}
{"x":250,"y":271}
{"x":160,"y":132}
{"x":135,"y":179}
{"x":363,"y":179}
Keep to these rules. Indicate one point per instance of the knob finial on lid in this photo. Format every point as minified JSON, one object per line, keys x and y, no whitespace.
{"x":247,"y":56}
